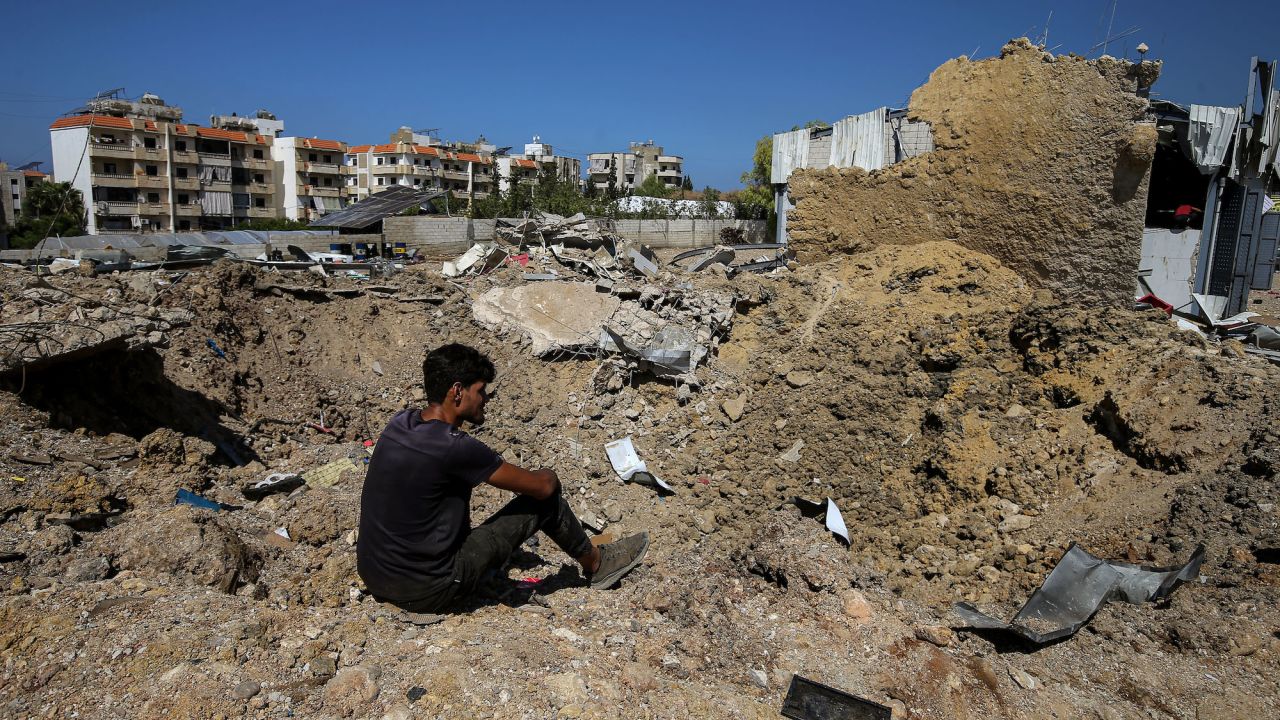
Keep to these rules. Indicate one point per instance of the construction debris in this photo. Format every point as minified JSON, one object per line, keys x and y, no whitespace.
{"x":1078,"y":586}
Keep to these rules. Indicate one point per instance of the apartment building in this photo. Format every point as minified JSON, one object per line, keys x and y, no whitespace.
{"x":410,"y":161}
{"x":630,"y":169}
{"x":538,"y":157}
{"x":14,"y":185}
{"x":141,"y":169}
{"x":311,"y":176}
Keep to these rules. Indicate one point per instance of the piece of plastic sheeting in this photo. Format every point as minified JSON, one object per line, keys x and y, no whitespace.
{"x":1078,"y":586}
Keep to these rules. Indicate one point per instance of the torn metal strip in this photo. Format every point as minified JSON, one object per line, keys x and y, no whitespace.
{"x":1075,"y":590}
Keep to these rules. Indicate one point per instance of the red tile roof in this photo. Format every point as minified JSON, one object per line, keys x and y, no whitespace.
{"x":317,"y":144}
{"x":397,"y":148}
{"x":525,"y":163}
{"x":34,"y":173}
{"x":92,"y":121}
{"x":232,"y":135}
{"x":469,"y":157}
{"x":358,"y":149}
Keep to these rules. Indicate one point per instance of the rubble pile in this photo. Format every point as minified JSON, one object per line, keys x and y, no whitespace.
{"x":160,"y":555}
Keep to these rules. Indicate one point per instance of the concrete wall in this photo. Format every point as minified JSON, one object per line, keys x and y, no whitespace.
{"x":71,"y":163}
{"x":452,"y":236}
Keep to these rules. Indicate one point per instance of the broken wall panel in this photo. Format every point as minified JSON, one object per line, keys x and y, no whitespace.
{"x":1040,"y":161}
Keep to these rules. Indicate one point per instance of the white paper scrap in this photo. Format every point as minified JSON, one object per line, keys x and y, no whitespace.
{"x":835,"y":521}
{"x":629,"y":466}
{"x":622,"y":455}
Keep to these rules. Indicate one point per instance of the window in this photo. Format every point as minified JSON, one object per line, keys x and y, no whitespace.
{"x":259,"y":178}
{"x":328,"y":158}
{"x":382,"y":181}
{"x":180,"y":173}
{"x":108,"y":168}
{"x":328,"y":182}
{"x":184,"y":224}
{"x":380,"y":161}
{"x":153,"y":197}
{"x":259,"y":202}
{"x":149,"y":143}
{"x":153,"y":171}
{"x":311,"y":157}
{"x":184,"y":199}
{"x":180,"y":146}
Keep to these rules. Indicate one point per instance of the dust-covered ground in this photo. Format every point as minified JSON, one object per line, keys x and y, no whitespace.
{"x":969,"y":427}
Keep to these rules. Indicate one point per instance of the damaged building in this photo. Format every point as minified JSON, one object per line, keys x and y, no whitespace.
{"x":1060,"y":168}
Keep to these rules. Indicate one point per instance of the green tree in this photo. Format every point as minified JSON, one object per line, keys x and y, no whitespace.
{"x":710,"y":198}
{"x":273,"y":224}
{"x":687,"y":184}
{"x":653,"y":187}
{"x":51,"y":209}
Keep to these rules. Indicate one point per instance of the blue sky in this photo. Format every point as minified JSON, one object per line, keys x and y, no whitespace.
{"x":705,"y":80}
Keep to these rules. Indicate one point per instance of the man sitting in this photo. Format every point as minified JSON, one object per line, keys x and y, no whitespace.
{"x":417,"y":548}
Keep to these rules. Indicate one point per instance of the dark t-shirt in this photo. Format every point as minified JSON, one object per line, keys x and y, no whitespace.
{"x":415,"y":509}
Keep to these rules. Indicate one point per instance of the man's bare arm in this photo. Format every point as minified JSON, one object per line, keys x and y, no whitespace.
{"x":538,"y":484}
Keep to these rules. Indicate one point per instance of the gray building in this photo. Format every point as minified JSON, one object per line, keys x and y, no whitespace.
{"x":630,"y":169}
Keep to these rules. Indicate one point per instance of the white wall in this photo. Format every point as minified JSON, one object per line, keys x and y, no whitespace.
{"x":69,"y":146}
{"x":284,"y":153}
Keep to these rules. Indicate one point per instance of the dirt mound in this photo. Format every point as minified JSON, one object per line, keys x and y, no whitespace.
{"x":1040,"y":161}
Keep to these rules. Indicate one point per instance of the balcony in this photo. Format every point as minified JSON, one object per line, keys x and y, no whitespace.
{"x":124,"y":150}
{"x":116,"y":209}
{"x":188,"y":210}
{"x":321,"y":167}
{"x":455,"y":175}
{"x":150,"y":208}
{"x":390,"y":169}
{"x":212,"y":158}
{"x":670,"y":174}
{"x":317,"y":191}
{"x":263,"y":212}
{"x":252,"y":163}
{"x":156,"y":154}
{"x":186,"y":156}
{"x":153,"y":181}
{"x":261,"y":188}
{"x":115,"y":180}
{"x":186,"y":183}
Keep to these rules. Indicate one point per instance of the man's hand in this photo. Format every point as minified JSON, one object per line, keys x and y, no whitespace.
{"x":538,"y":484}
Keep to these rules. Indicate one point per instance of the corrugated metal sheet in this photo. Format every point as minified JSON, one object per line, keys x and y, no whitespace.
{"x":1210,"y":133}
{"x":859,"y":140}
{"x":790,"y":151}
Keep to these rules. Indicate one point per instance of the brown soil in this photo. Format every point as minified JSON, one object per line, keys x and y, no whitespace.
{"x":968,"y":426}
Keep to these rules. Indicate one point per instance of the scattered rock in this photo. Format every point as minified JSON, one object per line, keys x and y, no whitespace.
{"x":734,"y":407}
{"x":568,"y":688}
{"x":350,"y":691}
{"x":799,"y":378}
{"x":855,"y":606}
{"x":188,"y":543}
{"x":246,"y":690}
{"x":88,"y":569}
{"x":1025,"y":680}
{"x":759,"y":678}
{"x":936,"y":634}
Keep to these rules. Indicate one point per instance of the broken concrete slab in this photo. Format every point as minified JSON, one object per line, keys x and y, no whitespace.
{"x":553,"y":315}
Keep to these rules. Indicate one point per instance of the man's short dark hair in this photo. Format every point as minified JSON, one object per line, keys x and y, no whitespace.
{"x":453,"y":363}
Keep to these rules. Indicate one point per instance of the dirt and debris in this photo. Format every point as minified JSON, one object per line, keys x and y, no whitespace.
{"x":968,"y":427}
{"x":968,"y":424}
